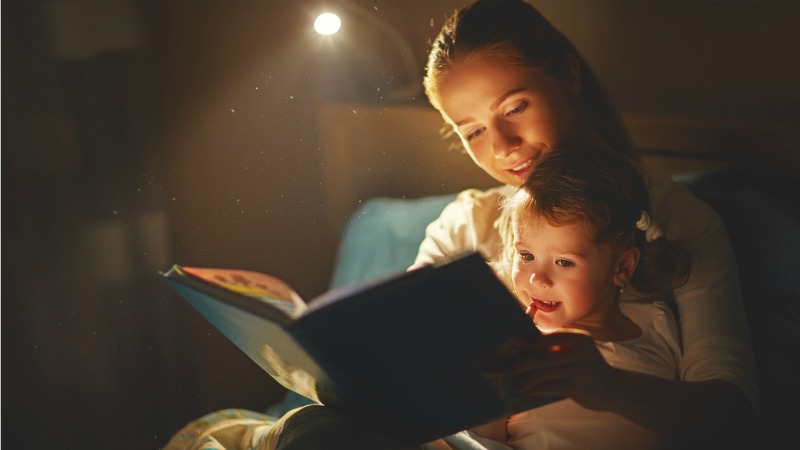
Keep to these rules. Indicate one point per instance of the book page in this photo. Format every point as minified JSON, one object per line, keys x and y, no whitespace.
{"x":266,"y":342}
{"x":263,"y":287}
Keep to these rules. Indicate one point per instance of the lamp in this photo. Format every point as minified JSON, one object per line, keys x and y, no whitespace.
{"x":327,"y":24}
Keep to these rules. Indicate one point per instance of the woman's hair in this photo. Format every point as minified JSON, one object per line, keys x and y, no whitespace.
{"x":606,"y":193}
{"x":514,"y":33}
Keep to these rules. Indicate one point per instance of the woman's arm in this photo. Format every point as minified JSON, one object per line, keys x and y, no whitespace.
{"x":704,"y":414}
{"x":466,"y":224}
{"x":714,"y":330}
{"x":689,"y":414}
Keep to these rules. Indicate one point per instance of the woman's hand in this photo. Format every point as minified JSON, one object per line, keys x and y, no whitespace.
{"x":563,"y":364}
{"x":694,"y":414}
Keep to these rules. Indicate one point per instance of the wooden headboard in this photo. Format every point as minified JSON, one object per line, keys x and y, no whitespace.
{"x":399,"y":151}
{"x":371,"y":150}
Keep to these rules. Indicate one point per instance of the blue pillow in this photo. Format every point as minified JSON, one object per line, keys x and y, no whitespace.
{"x":383,"y":237}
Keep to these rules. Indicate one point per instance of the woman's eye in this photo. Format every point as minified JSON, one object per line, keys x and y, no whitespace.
{"x":565,"y":263}
{"x":474,"y":134}
{"x":517,"y":109}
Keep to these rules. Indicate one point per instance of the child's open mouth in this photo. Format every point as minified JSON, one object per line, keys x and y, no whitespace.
{"x":545,"y":306}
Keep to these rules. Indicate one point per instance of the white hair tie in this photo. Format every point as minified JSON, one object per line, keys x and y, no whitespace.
{"x":651,"y":230}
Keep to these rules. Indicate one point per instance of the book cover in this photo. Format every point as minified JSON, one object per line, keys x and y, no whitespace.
{"x":414,"y":351}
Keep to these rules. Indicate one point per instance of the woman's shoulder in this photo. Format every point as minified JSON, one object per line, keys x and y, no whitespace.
{"x":466,"y":224}
{"x":664,"y":188}
{"x":680,"y":213}
{"x":474,"y":206}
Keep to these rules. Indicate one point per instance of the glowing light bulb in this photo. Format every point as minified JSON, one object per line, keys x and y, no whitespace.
{"x":327,"y":23}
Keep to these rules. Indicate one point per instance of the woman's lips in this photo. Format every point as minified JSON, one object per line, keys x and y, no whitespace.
{"x":522,"y":169}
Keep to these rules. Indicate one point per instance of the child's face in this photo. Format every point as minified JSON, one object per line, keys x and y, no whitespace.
{"x":508,"y":118}
{"x":566,"y":278}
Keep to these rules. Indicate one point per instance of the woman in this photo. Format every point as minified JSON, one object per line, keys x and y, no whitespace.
{"x":513,"y":88}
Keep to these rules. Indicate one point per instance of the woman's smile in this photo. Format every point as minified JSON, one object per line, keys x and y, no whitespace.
{"x":507,"y":119}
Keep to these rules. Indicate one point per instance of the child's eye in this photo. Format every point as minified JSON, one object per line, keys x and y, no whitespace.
{"x":565,"y":263}
{"x":517,"y":109}
{"x":525,"y":256}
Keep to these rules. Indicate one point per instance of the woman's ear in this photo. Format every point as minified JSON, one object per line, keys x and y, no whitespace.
{"x":627,"y":261}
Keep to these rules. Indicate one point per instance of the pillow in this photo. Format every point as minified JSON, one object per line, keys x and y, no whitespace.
{"x":383,"y":237}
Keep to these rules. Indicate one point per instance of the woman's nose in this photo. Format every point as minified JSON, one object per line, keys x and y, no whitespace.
{"x":506,"y":140}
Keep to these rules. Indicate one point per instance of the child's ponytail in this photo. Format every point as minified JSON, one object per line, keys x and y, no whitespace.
{"x":663,"y":265}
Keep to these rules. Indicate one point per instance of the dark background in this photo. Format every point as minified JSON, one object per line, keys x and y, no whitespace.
{"x":140,"y":134}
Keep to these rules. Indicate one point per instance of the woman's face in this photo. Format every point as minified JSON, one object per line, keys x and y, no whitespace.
{"x":509,"y":118}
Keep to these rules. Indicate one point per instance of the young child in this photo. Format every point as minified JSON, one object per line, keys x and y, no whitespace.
{"x":578,"y":234}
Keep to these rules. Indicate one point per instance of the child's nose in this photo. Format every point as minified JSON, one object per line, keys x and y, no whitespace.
{"x":540,"y":279}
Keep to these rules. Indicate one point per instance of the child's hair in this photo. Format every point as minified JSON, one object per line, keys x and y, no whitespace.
{"x":607,"y":194}
{"x":515,"y":34}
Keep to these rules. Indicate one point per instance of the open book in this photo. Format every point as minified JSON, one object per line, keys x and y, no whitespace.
{"x":418,"y":351}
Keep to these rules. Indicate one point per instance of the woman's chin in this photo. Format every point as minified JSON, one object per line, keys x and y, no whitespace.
{"x":510,"y":179}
